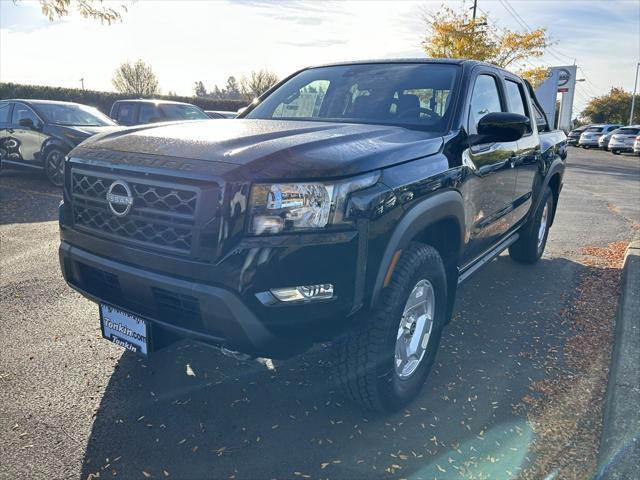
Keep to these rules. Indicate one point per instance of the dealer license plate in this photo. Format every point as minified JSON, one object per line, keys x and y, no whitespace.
{"x":124,"y":329}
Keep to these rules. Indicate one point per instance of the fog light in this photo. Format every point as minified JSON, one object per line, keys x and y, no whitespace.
{"x":304,"y":293}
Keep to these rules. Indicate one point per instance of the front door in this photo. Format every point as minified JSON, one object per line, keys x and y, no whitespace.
{"x":490,"y":177}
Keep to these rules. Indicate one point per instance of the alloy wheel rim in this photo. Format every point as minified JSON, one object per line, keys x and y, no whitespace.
{"x":55,"y":166}
{"x":415,"y":329}
{"x":542,"y":230}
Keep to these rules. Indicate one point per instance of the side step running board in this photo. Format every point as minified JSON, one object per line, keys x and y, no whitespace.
{"x":486,"y":258}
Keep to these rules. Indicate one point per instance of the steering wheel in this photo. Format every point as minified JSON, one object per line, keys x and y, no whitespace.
{"x":426,"y":111}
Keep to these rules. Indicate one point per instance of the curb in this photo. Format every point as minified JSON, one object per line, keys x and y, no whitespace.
{"x":619,"y":455}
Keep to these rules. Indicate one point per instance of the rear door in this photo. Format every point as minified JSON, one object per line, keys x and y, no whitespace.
{"x":528,"y":147}
{"x":29,"y":139}
{"x":5,"y":129}
{"x":491,"y":180}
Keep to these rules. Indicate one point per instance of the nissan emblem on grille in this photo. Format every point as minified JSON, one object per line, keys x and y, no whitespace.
{"x":120,"y":198}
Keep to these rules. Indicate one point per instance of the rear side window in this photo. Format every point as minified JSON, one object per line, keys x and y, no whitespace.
{"x":484,"y":99}
{"x":4,"y":112}
{"x":517,"y":100}
{"x":126,"y":113}
{"x":21,"y":112}
{"x":613,"y":128}
{"x":149,"y":113}
{"x":541,"y":120}
{"x":594,"y":129}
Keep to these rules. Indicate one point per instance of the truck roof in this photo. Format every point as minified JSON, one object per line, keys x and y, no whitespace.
{"x":454,"y":61}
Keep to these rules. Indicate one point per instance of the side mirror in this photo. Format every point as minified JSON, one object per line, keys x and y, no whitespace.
{"x":26,"y":123}
{"x":500,"y":127}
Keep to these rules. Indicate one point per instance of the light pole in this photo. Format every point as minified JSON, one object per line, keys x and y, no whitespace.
{"x":82,"y":83}
{"x":633,"y":97}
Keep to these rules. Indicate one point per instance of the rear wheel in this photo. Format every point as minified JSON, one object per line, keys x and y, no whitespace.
{"x":384,"y":362}
{"x":615,"y":152}
{"x":54,"y":166}
{"x":533,"y":239}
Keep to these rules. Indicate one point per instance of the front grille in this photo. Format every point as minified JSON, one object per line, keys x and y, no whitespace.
{"x":162,"y":215}
{"x":168,"y":236}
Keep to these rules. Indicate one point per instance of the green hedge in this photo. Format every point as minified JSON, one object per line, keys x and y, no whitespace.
{"x":102,"y":100}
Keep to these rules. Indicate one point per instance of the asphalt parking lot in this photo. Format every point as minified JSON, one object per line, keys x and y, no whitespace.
{"x":75,"y":406}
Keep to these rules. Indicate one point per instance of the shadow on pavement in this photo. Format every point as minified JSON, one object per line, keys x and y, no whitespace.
{"x":27,"y":197}
{"x":241,"y":420}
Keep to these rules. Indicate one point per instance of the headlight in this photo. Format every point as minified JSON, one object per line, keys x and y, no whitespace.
{"x":290,"y":207}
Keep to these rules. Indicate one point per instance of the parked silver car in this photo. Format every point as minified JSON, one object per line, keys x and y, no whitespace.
{"x":603,"y":141}
{"x":574,"y":135}
{"x":636,"y":145}
{"x":590,"y":137}
{"x":623,"y":139}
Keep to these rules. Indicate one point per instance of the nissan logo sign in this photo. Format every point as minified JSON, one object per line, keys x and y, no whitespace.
{"x":120,"y":198}
{"x":564,"y":76}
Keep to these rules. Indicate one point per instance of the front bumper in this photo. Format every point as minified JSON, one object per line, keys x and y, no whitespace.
{"x":224,"y":319}
{"x":193,"y":307}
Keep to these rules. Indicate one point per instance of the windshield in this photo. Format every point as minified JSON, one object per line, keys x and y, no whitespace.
{"x":175,"y":111}
{"x":415,"y":95}
{"x":70,"y":114}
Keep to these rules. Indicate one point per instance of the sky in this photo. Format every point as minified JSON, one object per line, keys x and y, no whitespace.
{"x":187,"y":41}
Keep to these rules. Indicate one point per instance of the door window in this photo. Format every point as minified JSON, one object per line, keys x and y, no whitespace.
{"x":4,"y":112}
{"x":126,"y":114}
{"x":21,"y":112}
{"x":484,"y":99}
{"x":541,"y":120}
{"x":517,"y":100}
{"x":149,"y":113}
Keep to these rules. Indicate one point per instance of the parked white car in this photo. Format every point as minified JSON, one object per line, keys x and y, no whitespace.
{"x":636,"y":145}
{"x":589,"y":138}
{"x":623,"y":139}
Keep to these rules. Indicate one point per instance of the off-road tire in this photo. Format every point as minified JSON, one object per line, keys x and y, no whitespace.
{"x":528,"y":248}
{"x":366,"y":370}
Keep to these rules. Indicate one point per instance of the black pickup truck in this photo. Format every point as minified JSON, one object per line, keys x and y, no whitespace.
{"x":347,"y":203}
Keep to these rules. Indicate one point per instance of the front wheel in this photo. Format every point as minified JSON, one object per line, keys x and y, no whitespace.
{"x":533,"y":238}
{"x":54,"y":166}
{"x":385,"y":361}
{"x":615,"y":152}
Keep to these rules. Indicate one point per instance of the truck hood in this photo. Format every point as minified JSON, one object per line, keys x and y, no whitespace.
{"x":273,"y":149}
